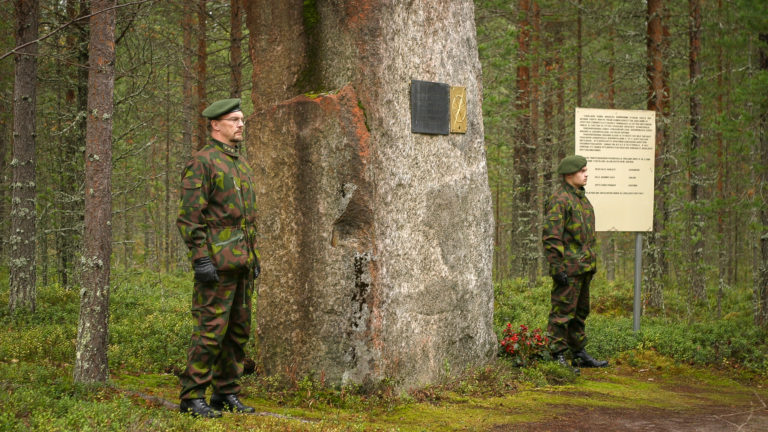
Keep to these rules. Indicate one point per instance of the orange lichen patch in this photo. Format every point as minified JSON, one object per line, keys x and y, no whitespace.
{"x":358,"y":12}
{"x":349,"y":98}
{"x":344,"y":105}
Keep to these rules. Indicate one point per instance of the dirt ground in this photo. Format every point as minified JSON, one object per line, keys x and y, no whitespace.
{"x":717,"y":419}
{"x":737,"y":408}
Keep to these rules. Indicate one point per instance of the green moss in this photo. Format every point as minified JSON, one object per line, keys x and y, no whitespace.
{"x":310,"y":14}
{"x":309,"y":77}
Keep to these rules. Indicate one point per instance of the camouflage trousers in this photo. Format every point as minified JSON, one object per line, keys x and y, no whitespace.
{"x":570,"y":308}
{"x":222,"y":318}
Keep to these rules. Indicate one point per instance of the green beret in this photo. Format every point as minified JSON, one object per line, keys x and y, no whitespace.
{"x":221,"y":107}
{"x":571,"y":164}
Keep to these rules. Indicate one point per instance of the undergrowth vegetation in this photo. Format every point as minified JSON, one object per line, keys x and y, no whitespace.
{"x":732,"y":341}
{"x":150,"y":327}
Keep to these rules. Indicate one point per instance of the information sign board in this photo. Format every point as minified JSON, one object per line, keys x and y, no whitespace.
{"x":620,"y":149}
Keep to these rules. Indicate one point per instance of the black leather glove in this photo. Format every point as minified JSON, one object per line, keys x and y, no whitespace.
{"x":561,"y":279}
{"x":205,"y":271}
{"x":256,"y":269}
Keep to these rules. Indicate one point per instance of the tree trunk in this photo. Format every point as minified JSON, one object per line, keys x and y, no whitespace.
{"x":167,"y":178}
{"x":500,"y":259}
{"x":526,"y":239}
{"x":5,"y":132}
{"x":695,"y":218}
{"x":22,"y":240}
{"x":92,"y":332}
{"x":658,"y":98}
{"x":609,"y":239}
{"x":202,"y":60}
{"x":535,"y":248}
{"x":235,"y":50}
{"x":722,"y":210}
{"x":551,"y":138}
{"x":761,"y":169}
{"x":189,"y":116}
{"x":69,"y":206}
{"x":279,"y":60}
{"x":579,"y":44}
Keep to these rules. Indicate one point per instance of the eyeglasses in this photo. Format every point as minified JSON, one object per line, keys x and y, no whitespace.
{"x":235,"y":120}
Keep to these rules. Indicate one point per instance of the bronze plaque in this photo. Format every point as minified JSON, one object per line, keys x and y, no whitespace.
{"x":458,"y":109}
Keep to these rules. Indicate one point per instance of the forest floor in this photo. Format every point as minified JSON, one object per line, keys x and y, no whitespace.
{"x":646,"y":393}
{"x":662,"y":403}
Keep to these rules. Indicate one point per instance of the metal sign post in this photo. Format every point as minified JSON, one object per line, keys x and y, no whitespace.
{"x":620,"y":149}
{"x":638,"y":279}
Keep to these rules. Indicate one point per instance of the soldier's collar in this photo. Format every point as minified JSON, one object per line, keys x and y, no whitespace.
{"x":578,"y":190}
{"x":226,"y":148}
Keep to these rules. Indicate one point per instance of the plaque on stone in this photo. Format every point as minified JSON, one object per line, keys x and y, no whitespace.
{"x":430,"y":107}
{"x":458,"y":110}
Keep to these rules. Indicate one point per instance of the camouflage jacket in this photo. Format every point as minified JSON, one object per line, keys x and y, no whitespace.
{"x":217,"y":209}
{"x":569,"y":231}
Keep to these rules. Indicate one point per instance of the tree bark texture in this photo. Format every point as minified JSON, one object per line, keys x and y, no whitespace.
{"x":235,"y":50}
{"x":579,"y":53}
{"x":722,"y":211}
{"x":526,"y":237}
{"x":761,"y":281}
{"x":279,"y":49}
{"x":608,"y":240}
{"x":92,"y":332}
{"x":201,"y":73}
{"x":695,"y":221}
{"x":167,"y":178}
{"x":533,"y":246}
{"x":376,"y":242}
{"x":22,"y":239}
{"x":5,"y":145}
{"x":658,"y":101}
{"x":187,"y":85}
{"x":70,"y":169}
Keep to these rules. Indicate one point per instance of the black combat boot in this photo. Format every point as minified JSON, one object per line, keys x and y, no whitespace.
{"x":560,"y":358}
{"x":198,"y":408}
{"x":230,"y":402}
{"x":581,"y":358}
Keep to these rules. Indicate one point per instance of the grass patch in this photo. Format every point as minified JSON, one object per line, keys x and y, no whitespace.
{"x":150,"y":327}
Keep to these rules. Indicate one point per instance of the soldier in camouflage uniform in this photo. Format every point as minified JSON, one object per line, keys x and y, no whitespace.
{"x":217,"y":211}
{"x":569,"y":240}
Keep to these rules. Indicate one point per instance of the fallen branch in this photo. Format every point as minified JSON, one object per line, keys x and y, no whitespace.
{"x":750,"y":413}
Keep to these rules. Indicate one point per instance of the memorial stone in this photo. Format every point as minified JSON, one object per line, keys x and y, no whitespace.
{"x":376,"y":242}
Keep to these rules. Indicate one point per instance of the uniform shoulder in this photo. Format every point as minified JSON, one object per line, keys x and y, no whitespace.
{"x":559,"y":192}
{"x":205,"y":152}
{"x":559,"y":196}
{"x":201,"y":160}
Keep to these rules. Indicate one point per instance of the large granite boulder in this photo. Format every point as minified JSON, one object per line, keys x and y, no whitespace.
{"x":376,"y":242}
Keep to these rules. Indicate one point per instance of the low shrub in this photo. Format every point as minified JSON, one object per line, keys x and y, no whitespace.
{"x":733,"y":341}
{"x":524,"y":346}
